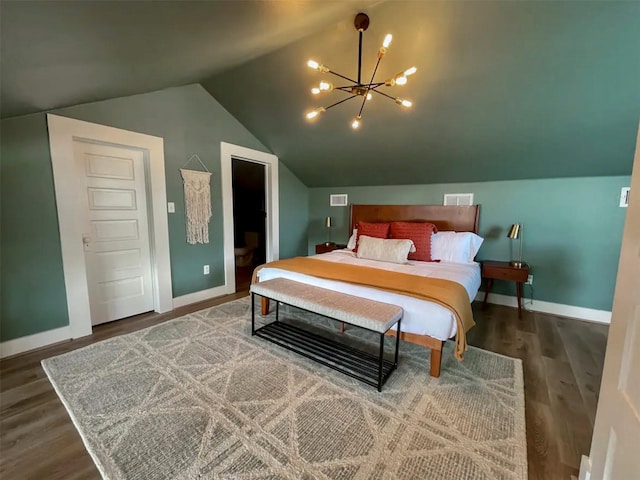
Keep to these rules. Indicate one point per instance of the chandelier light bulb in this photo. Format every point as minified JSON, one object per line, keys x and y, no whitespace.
{"x":315,"y":90}
{"x":410,"y":71}
{"x":403,"y":102}
{"x":314,"y":113}
{"x":313,"y":64}
{"x":356,"y":122}
{"x":326,"y":86}
{"x":369,"y":96}
{"x":401,"y":80}
{"x":387,"y":40}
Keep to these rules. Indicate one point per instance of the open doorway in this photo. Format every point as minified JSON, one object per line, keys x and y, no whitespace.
{"x":249,"y":219}
{"x":228,"y":152}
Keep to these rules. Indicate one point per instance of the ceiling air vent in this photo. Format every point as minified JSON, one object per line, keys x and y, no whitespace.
{"x":458,"y":198}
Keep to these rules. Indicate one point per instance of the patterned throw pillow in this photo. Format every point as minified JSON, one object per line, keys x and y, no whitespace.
{"x":376,"y":230}
{"x":420,"y":234}
{"x":384,"y":249}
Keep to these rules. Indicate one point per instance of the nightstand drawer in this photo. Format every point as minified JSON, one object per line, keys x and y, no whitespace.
{"x":330,"y":247}
{"x":505,"y":273}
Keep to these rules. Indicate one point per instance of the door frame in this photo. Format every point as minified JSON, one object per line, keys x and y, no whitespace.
{"x":613,"y":431}
{"x":63,"y":131}
{"x":229,"y":151}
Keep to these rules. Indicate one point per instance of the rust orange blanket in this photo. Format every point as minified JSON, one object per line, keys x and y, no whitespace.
{"x":449,"y":294}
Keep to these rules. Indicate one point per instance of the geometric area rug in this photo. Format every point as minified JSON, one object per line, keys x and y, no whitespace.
{"x":199,"y":398}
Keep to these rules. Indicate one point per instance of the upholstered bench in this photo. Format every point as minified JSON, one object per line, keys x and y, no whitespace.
{"x":371,"y":315}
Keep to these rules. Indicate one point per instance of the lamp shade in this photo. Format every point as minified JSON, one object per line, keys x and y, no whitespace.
{"x":514,"y":231}
{"x":327,"y":222}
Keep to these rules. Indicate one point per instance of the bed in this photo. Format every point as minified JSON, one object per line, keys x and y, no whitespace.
{"x":425,"y":323}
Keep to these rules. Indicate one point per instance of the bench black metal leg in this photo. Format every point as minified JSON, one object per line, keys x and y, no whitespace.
{"x":395,"y":361}
{"x":253,"y":314}
{"x":381,"y":362}
{"x":277,"y":310}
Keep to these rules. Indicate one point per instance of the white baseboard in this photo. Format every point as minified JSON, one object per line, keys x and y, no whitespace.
{"x":590,"y":314}
{"x":202,"y":295}
{"x":43,"y":339}
{"x":31,"y":342}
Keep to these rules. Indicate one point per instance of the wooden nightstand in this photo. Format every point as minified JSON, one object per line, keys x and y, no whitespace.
{"x":492,"y":270}
{"x":329,"y":247}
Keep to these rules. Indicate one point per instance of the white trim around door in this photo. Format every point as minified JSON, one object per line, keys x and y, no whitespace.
{"x":63,"y":132}
{"x":228,"y":152}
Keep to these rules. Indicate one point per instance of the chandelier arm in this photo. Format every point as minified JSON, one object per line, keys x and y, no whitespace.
{"x":383,"y":94}
{"x":369,"y":86}
{"x":341,"y":101}
{"x":342,"y":76}
{"x":374,"y":73}
{"x":364,"y":100}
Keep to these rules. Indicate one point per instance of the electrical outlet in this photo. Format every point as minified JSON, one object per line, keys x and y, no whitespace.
{"x":171,"y":207}
{"x":529,"y":280}
{"x":206,"y":269}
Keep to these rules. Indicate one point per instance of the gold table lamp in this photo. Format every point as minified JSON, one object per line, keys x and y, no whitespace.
{"x":328,"y":224}
{"x":516,"y":232}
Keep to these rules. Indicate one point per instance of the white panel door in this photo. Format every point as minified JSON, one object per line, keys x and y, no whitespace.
{"x":116,"y":231}
{"x":615,"y":449}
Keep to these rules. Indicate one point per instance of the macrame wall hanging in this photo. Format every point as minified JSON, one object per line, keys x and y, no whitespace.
{"x":197,"y":202}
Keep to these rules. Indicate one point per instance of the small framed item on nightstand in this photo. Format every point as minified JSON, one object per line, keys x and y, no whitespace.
{"x":493,"y":270}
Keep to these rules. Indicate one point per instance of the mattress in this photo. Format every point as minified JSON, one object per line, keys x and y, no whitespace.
{"x":420,"y":316}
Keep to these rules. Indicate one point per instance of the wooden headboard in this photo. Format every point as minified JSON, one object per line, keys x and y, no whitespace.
{"x":458,"y":218}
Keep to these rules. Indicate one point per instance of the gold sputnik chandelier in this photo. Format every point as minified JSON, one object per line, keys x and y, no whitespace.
{"x":355,"y":89}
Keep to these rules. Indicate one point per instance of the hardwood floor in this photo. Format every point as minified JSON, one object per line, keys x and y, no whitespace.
{"x":562,"y":361}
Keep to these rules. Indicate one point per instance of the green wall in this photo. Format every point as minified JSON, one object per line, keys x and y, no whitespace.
{"x":33,"y":297}
{"x":572,"y":229}
{"x":190,"y":121}
{"x":294,"y":214}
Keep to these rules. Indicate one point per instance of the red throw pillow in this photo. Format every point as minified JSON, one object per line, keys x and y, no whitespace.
{"x":420,"y":233}
{"x":376,"y":230}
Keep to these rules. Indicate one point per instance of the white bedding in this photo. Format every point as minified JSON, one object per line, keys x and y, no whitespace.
{"x":420,"y":317}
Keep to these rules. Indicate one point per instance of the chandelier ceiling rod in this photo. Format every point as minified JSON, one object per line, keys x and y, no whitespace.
{"x":361,"y":22}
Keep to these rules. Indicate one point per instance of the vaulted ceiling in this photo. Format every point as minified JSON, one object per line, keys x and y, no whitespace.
{"x":504,"y":90}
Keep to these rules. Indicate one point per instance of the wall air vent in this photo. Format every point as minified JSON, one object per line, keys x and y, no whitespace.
{"x":458,"y":199}
{"x":338,"y":200}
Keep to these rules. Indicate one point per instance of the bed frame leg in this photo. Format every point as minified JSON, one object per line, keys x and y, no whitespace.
{"x":436,"y":360}
{"x":264,"y":306}
{"x":431,"y":343}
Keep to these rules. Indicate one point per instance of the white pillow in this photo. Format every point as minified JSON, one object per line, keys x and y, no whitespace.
{"x":384,"y":249}
{"x":351,"y":244}
{"x":458,"y":247}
